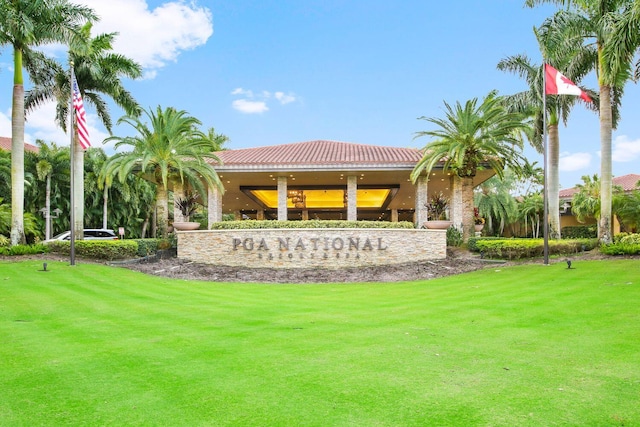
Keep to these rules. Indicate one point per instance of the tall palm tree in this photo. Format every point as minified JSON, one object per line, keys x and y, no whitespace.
{"x":608,"y":30}
{"x":558,"y":108}
{"x":25,"y":24}
{"x":170,"y":149}
{"x":496,"y":203}
{"x":470,"y":137}
{"x":99,"y":72}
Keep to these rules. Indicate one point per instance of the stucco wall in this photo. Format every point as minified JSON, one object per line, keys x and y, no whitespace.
{"x":304,"y":248}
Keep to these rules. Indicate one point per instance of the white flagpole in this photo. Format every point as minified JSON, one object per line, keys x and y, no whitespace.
{"x":72,"y":132}
{"x":545,"y":220}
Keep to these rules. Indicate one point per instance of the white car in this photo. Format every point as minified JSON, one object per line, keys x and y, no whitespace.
{"x":89,"y":234}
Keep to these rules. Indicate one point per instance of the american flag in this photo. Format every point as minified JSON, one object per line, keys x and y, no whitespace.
{"x":81,"y":119}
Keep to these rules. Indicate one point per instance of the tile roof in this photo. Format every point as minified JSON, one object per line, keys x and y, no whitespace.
{"x":319,"y":155}
{"x":5,"y":144}
{"x":627,"y":182}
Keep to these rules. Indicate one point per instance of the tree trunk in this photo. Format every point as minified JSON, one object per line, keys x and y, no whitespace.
{"x":78,"y":189}
{"x":105,"y":205}
{"x":163,"y":211}
{"x":606,"y":123}
{"x":468,"y":217}
{"x":17,"y":153}
{"x":178,"y":193}
{"x":47,"y":208}
{"x":553,"y":186}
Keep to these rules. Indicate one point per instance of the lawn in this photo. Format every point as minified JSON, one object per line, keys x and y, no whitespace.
{"x":529,"y":345}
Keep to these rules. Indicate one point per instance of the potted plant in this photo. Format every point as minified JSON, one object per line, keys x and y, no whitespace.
{"x":479,"y":221}
{"x":187,"y":206}
{"x":437,"y":210}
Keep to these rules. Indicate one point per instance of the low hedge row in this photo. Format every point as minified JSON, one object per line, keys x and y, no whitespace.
{"x":621,"y":249}
{"x":579,"y":232}
{"x":527,"y":248}
{"x":24,"y":249}
{"x":242,"y":225}
{"x":98,"y":249}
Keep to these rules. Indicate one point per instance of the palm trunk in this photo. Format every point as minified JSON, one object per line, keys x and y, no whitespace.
{"x":606,"y":123}
{"x":163,"y":211}
{"x":105,"y":200}
{"x":17,"y":153}
{"x":468,"y":220}
{"x":553,"y":188}
{"x":47,"y":207}
{"x":78,"y":189}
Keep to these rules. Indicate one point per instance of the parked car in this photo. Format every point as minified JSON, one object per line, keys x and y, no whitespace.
{"x":89,"y":234}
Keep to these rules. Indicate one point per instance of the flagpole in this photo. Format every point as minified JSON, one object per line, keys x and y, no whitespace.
{"x":72,"y":132}
{"x":545,"y":220}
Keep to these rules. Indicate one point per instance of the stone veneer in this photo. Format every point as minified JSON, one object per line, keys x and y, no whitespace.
{"x":330,"y":248}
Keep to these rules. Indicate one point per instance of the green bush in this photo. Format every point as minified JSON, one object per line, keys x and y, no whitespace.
{"x":98,"y":249}
{"x":579,"y":232}
{"x":235,"y":225}
{"x":621,"y":249}
{"x":631,"y":239}
{"x":4,"y":241}
{"x":454,"y":237}
{"x":527,"y":248}
{"x":38,"y":248}
{"x":472,"y":242}
{"x":619,"y":236}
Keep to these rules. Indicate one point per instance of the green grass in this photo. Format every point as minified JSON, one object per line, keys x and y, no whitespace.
{"x":530,"y":345}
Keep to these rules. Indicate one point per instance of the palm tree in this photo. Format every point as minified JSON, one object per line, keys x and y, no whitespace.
{"x":608,"y":31}
{"x":496,"y":203}
{"x":586,"y":202}
{"x":51,"y":161}
{"x":98,"y":71}
{"x":558,"y":108}
{"x":168,"y":150}
{"x":470,"y":137}
{"x":25,"y":24}
{"x":531,"y":209}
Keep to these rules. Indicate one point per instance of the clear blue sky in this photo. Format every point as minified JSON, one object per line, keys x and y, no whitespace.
{"x":281,"y":71}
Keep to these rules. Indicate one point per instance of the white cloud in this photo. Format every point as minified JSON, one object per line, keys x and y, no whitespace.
{"x":249,"y":107}
{"x":284,"y":98}
{"x":574,"y":162}
{"x":152,"y":37}
{"x":240,"y":91}
{"x":5,"y":124}
{"x":625,"y":150}
{"x":41,"y":125}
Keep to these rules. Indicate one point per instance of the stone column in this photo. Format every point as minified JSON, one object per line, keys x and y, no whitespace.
{"x":282,"y":198}
{"x":260,"y":214}
{"x":352,"y":198}
{"x":421,"y":199}
{"x":455,"y":204}
{"x":214,"y":206}
{"x":394,"y":215}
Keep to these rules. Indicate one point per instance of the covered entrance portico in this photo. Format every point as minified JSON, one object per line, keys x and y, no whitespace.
{"x":326,"y":180}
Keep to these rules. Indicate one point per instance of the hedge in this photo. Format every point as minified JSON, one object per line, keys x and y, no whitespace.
{"x":579,"y":232}
{"x":98,"y":249}
{"x":251,"y":224}
{"x":38,"y":248}
{"x":621,"y":249}
{"x":527,"y":248}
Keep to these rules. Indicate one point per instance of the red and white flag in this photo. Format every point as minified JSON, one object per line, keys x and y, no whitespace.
{"x":557,"y":84}
{"x":81,"y":119}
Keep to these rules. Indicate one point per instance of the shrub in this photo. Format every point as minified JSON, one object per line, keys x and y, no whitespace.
{"x":526,"y":248}
{"x":4,"y":241}
{"x":631,"y":239}
{"x":580,"y":232}
{"x":454,"y":236}
{"x":98,"y":249}
{"x":38,"y":248}
{"x":239,"y":225}
{"x":621,"y":249}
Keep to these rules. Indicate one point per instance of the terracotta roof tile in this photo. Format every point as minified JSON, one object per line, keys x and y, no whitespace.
{"x":5,"y":144}
{"x":321,"y":154}
{"x":627,"y":182}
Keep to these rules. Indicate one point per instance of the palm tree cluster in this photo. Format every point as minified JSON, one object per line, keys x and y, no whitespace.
{"x":601,"y":36}
{"x":27,"y":24}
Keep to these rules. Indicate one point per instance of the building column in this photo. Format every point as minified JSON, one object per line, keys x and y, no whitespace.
{"x":352,"y":198}
{"x":422,"y":197}
{"x":214,"y":206}
{"x":394,"y":215}
{"x":260,"y":215}
{"x":456,"y":207}
{"x":282,"y":198}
